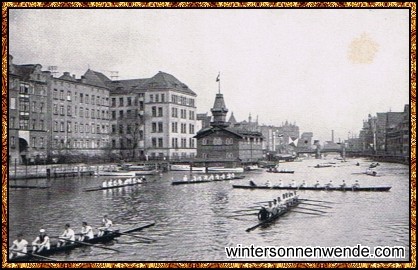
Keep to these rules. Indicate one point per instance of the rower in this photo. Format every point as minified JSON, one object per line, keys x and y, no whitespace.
{"x":233,"y":175}
{"x":356,"y":184}
{"x":293,"y":183}
{"x":316,"y":184}
{"x":110,"y":183}
{"x":41,"y":242}
{"x":210,"y":177}
{"x":252,"y":184}
{"x":205,"y":177}
{"x":115,"y":183}
{"x":275,"y":206}
{"x":120,"y":183}
{"x":199,"y":178}
{"x":303,"y":184}
{"x":106,"y":224}
{"x":67,"y":235}
{"x":194,"y":178}
{"x":19,"y":247}
{"x":263,"y":214}
{"x":185,"y":178}
{"x":343,"y":185}
{"x":86,"y":232}
{"x":329,"y":184}
{"x":270,"y":209}
{"x":104,"y":184}
{"x":216,"y":177}
{"x":268,"y":184}
{"x":280,"y":183}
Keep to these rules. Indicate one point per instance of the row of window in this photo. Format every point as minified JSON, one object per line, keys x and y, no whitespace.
{"x":80,"y":111}
{"x":130,"y":101}
{"x":129,"y":114}
{"x":182,"y":100}
{"x":24,"y":105}
{"x":80,"y":98}
{"x":133,"y":130}
{"x":26,"y":89}
{"x":159,"y":143}
{"x":79,"y":144}
{"x":24,"y":124}
{"x":227,"y":155}
{"x":183,"y":128}
{"x":183,"y":114}
{"x":218,"y":141}
{"x":35,"y":142}
{"x":79,"y":127}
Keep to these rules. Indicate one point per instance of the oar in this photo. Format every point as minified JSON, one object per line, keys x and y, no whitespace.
{"x":312,"y":209}
{"x":87,"y":244}
{"x":315,"y":201}
{"x":245,"y":210}
{"x":34,"y":255}
{"x":316,"y":205}
{"x":252,"y":214}
{"x":137,"y":236}
{"x":307,"y":213}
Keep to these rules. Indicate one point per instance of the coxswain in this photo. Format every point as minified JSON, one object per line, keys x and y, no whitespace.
{"x":19,"y":247}
{"x":106,"y":226}
{"x":252,"y":184}
{"x":67,"y":235}
{"x":86,"y":232}
{"x":41,"y":242}
{"x":263,"y":214}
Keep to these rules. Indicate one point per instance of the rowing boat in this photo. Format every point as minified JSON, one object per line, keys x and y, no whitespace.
{"x":205,"y":181}
{"x":107,"y":237}
{"x":281,"y":171}
{"x":330,"y":188}
{"x":273,"y":218}
{"x":105,"y":188}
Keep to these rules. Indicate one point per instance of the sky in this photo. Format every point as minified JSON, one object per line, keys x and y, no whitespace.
{"x":323,"y":69}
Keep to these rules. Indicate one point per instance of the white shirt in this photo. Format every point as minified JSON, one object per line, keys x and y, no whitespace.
{"x":20,"y":246}
{"x":88,"y":231}
{"x":107,"y":223}
{"x":69,"y":234}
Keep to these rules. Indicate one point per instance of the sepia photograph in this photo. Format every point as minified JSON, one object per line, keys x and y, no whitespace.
{"x":223,"y":135}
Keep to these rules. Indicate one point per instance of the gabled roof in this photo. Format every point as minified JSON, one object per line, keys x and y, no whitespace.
{"x":232,"y":119}
{"x":206,"y":131}
{"x":66,"y":76}
{"x":95,"y":78}
{"x":23,"y":71}
{"x":164,"y":80}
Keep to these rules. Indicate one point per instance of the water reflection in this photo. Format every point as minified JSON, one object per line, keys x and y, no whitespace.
{"x":193,"y":222}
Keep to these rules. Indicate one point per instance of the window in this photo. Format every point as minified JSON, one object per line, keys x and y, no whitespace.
{"x":24,"y":123}
{"x":41,"y":125}
{"x":92,"y":114}
{"x":204,"y":141}
{"x":81,"y":128}
{"x":160,"y":127}
{"x":113,"y":143}
{"x":121,"y":102}
{"x":183,"y":143}
{"x":162,"y":98}
{"x":128,"y":113}
{"x":69,"y":126}
{"x":68,"y":95}
{"x":62,"y":94}
{"x":81,"y":97}
{"x":93,"y":128}
{"x":55,"y":109}
{"x":41,"y":142}
{"x":113,"y":115}
{"x":12,"y":141}
{"x":154,"y":127}
{"x":87,"y":99}
{"x":12,"y":122}
{"x":120,"y":129}
{"x":160,"y":142}
{"x":191,"y":142}
{"x":183,"y":128}
{"x":87,"y":128}
{"x":33,"y":142}
{"x":217,"y":141}
{"x":174,"y":143}
{"x":75,"y":96}
{"x":97,"y":129}
{"x":229,"y":141}
{"x":191,"y":128}
{"x":34,"y":124}
{"x":154,"y":111}
{"x":87,"y":113}
{"x":191,"y":115}
{"x":128,"y":129}
{"x":62,"y":109}
{"x":76,"y":127}
{"x":12,"y":104}
{"x":62,"y":127}
{"x":174,"y":112}
{"x":160,"y":111}
{"x":204,"y":155}
{"x":183,"y":114}
{"x":157,"y":98}
{"x":129,"y":101}
{"x":154,"y":142}
{"x":141,"y":105}
{"x":41,"y":107}
{"x":34,"y":106}
{"x":113,"y":102}
{"x":81,"y":112}
{"x":69,"y":110}
{"x":120,"y":114}
{"x":174,"y":127}
{"x":151,"y":98}
{"x":54,"y":93}
{"x":93,"y":99}
{"x":113,"y":128}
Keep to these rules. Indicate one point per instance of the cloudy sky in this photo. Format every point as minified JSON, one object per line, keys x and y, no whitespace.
{"x":323,"y":69}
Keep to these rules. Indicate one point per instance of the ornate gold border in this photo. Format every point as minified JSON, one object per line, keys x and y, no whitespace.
{"x":410,"y":5}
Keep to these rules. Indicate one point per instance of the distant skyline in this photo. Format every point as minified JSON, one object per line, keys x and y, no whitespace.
{"x":325,"y":69}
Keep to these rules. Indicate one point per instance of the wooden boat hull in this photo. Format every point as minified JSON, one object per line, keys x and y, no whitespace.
{"x":112,"y":187}
{"x":281,"y":171}
{"x":205,"y":181}
{"x":317,"y":188}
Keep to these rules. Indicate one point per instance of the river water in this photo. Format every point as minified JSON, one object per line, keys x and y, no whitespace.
{"x":194,"y":223}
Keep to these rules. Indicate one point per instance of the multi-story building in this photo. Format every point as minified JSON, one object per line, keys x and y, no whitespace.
{"x":28,"y":111}
{"x":221,"y":143}
{"x":305,"y":142}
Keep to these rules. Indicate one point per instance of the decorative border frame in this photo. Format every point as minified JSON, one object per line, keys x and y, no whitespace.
{"x":4,"y":117}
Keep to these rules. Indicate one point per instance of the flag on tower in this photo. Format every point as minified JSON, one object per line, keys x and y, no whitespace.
{"x":293,"y":142}
{"x":217,"y":78}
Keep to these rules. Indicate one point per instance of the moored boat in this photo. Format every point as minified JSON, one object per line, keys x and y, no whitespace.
{"x":200,"y":180}
{"x":225,"y":170}
{"x":115,"y":173}
{"x":185,"y":167}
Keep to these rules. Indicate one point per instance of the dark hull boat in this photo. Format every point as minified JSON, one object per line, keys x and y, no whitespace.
{"x":205,"y":181}
{"x":109,"y":236}
{"x":347,"y":188}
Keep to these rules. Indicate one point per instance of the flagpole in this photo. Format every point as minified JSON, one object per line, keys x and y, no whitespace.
{"x":219,"y":83}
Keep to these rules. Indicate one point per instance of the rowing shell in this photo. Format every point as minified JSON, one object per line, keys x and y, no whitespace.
{"x":205,"y":181}
{"x":107,"y":237}
{"x":104,"y":188}
{"x":316,"y":188}
{"x":273,"y":218}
